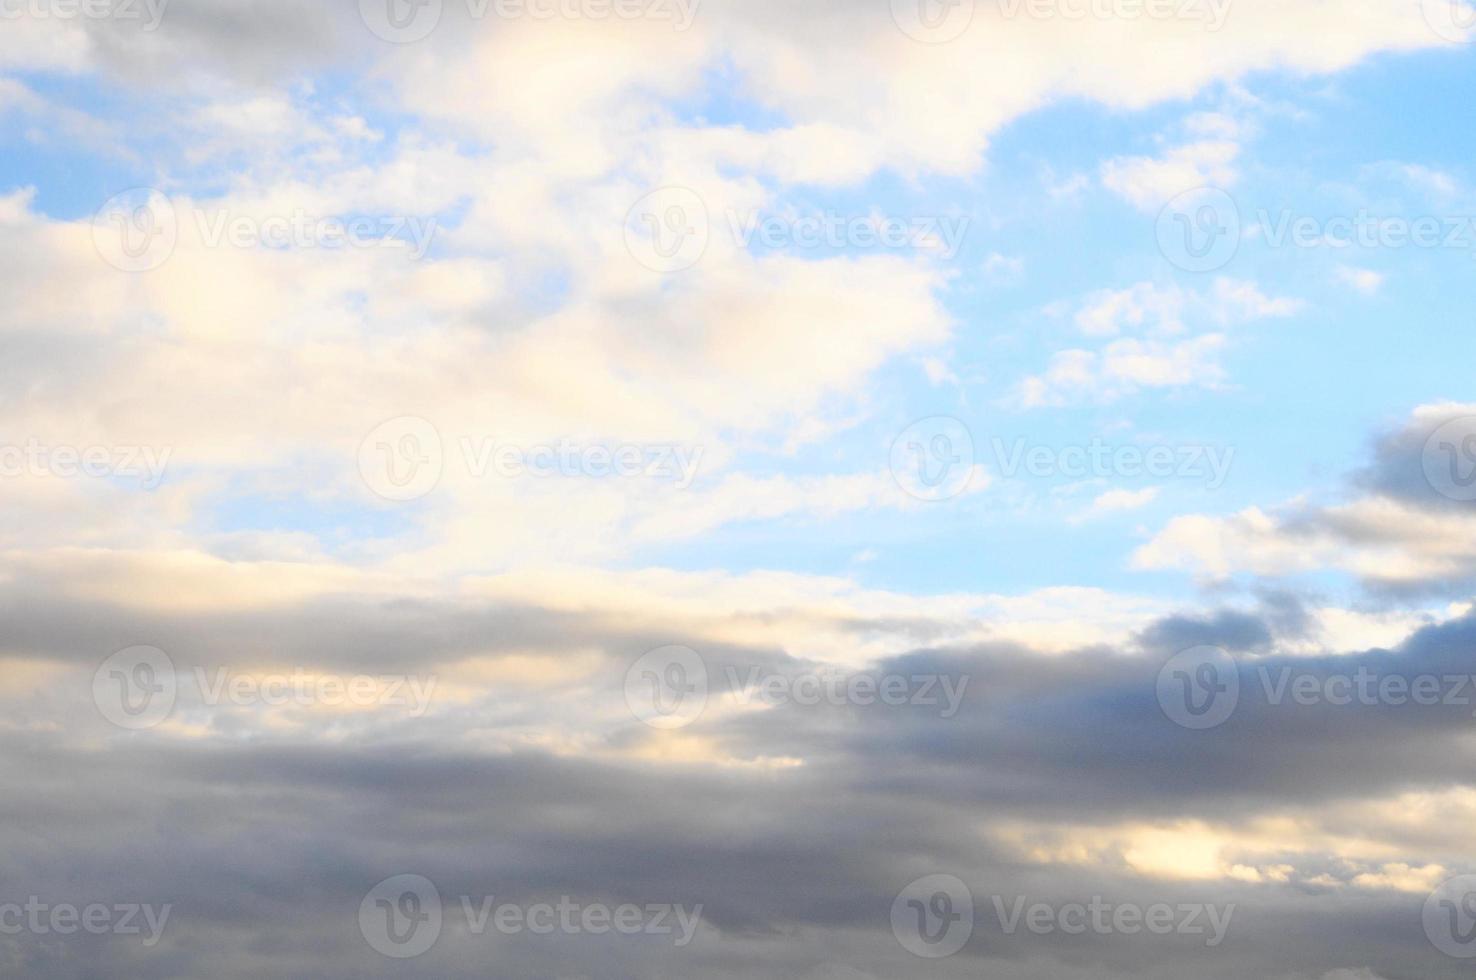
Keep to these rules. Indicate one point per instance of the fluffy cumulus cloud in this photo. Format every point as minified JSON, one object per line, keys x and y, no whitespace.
{"x":436,"y":439}
{"x":1150,"y":345}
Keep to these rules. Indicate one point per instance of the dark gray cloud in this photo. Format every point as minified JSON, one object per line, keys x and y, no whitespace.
{"x":265,"y":840}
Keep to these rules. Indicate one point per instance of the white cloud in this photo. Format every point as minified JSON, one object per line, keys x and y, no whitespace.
{"x":1117,"y":501}
{"x":1003,"y":270}
{"x":1165,"y":356}
{"x":1150,"y":182}
{"x":1365,"y":281}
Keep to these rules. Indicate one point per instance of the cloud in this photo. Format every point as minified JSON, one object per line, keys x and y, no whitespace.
{"x":525,"y":145}
{"x":1117,"y":501}
{"x":529,"y":735}
{"x":1148,"y":183}
{"x":1365,"y":281}
{"x":1165,"y":355}
{"x":1404,"y":528}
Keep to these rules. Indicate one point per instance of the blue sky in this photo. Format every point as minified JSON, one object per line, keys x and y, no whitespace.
{"x":1300,"y":395}
{"x":499,"y":363}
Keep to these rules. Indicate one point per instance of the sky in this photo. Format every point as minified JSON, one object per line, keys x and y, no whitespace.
{"x":697,"y":489}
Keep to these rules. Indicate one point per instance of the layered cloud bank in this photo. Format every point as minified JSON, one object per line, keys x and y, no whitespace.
{"x":506,"y":490}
